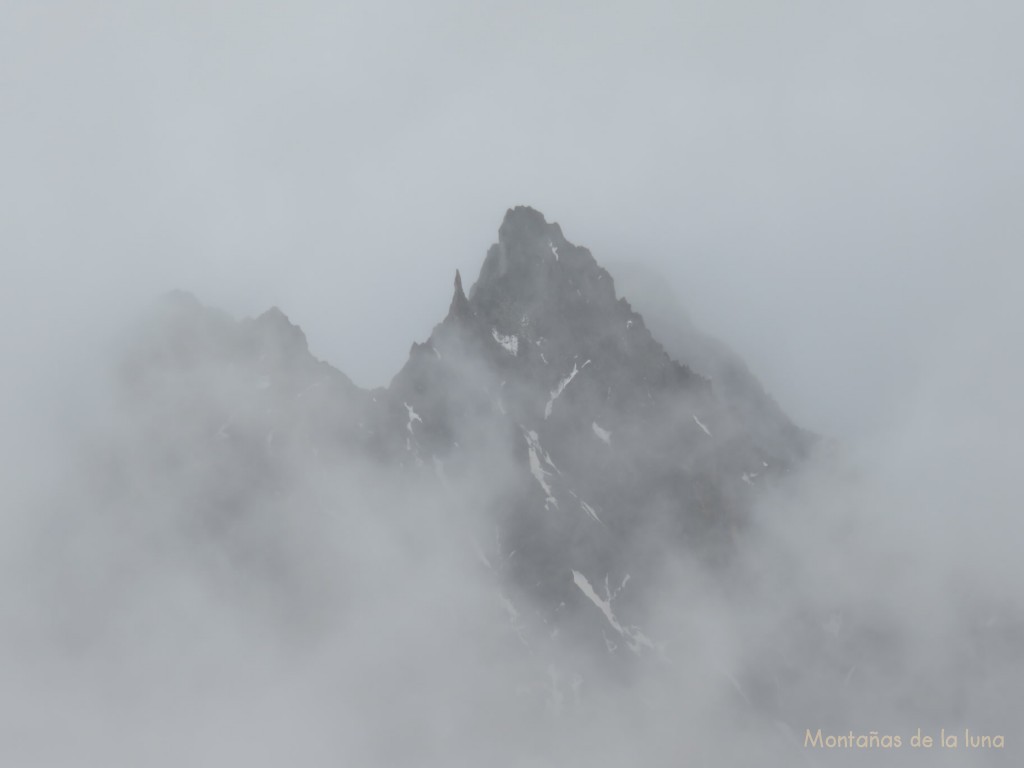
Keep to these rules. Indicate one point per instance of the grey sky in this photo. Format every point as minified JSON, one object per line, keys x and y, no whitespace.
{"x":829,"y":187}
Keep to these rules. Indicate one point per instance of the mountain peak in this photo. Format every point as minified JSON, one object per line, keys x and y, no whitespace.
{"x":524,"y":222}
{"x":533,"y":264}
{"x":573,"y":444}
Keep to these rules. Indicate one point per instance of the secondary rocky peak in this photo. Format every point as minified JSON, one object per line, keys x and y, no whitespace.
{"x":459,"y":307}
{"x":276,"y":329}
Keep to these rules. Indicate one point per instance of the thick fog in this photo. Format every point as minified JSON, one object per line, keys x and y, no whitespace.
{"x":833,"y":190}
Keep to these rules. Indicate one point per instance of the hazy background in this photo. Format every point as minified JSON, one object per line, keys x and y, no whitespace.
{"x":832,"y":188}
{"x":827,"y":186}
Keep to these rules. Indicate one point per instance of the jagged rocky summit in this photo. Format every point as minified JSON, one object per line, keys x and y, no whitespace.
{"x":587,"y":449}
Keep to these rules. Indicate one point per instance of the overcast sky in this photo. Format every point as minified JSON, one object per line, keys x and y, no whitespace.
{"x":831,"y":188}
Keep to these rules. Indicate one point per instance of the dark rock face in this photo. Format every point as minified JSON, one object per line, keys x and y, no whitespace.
{"x":587,"y":448}
{"x":617,"y":447}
